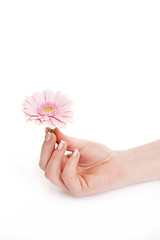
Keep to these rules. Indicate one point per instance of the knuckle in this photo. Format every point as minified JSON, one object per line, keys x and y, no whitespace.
{"x":53,"y":175}
{"x":47,"y":174}
{"x":76,"y":193}
{"x":41,"y":166}
{"x":54,"y":169}
{"x":64,"y":176}
{"x":55,"y":181}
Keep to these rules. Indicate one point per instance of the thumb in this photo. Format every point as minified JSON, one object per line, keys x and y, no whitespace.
{"x":72,"y":142}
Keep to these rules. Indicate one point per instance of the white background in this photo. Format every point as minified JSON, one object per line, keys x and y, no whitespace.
{"x":105,"y":55}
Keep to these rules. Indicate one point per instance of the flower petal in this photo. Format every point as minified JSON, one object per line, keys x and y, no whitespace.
{"x":39,"y":97}
{"x":30,"y":110}
{"x":29,"y":100}
{"x":58,"y":122}
{"x":49,"y":95}
{"x":60,"y":114}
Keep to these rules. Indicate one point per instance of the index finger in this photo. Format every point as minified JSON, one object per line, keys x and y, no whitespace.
{"x":48,"y":147}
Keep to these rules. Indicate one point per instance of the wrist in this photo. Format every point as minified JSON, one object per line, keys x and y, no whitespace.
{"x":141,"y":163}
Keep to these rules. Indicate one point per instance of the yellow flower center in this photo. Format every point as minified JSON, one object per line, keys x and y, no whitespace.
{"x":48,"y":109}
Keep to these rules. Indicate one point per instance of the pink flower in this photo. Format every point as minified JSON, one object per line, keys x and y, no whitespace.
{"x":48,"y":108}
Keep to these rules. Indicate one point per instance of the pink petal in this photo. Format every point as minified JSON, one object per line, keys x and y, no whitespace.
{"x":37,"y":121}
{"x":65,"y":102}
{"x":59,"y":117}
{"x":58,"y":96}
{"x":58,"y":122}
{"x":49,"y":95}
{"x":65,"y":107}
{"x":66,"y":113}
{"x":31,"y":116}
{"x":30,"y":110}
{"x":50,"y":124}
{"x":27,"y":104}
{"x":29,"y":100}
{"x":67,"y":119}
{"x":39,"y":97}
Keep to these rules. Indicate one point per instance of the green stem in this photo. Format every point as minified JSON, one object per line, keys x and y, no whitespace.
{"x":51,"y":130}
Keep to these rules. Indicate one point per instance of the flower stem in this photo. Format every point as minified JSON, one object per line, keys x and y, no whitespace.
{"x":51,"y":130}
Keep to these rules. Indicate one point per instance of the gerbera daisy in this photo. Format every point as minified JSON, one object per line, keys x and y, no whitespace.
{"x":48,"y":107}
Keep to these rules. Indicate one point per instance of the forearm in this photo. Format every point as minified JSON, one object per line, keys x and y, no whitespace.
{"x":143,"y":163}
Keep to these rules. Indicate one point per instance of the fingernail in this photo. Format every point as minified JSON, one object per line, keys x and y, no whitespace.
{"x":48,"y":136}
{"x":60,"y":144}
{"x":75,"y":153}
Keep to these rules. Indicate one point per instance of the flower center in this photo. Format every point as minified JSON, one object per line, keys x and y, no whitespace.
{"x":47,"y":109}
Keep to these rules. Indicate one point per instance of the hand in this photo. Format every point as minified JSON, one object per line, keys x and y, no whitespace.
{"x":93,"y":169}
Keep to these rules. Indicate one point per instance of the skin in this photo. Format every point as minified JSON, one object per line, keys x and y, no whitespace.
{"x":96,"y":168}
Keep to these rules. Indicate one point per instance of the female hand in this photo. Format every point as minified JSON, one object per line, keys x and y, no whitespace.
{"x":93,"y":167}
{"x":90,"y":167}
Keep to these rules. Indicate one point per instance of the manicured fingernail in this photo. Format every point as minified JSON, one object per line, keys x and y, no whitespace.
{"x":48,"y":136}
{"x":60,"y":144}
{"x":75,"y":153}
